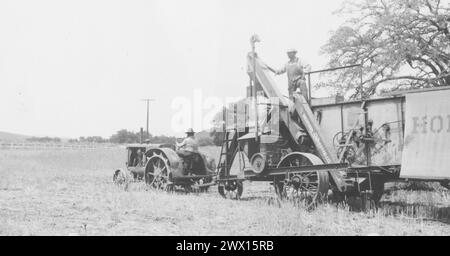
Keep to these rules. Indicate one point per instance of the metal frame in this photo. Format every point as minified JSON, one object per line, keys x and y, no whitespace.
{"x":353,"y":172}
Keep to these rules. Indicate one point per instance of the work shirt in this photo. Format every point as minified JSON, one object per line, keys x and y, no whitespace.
{"x":294,"y":70}
{"x":188,"y":144}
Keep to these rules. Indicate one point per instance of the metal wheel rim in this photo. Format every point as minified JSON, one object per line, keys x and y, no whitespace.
{"x":303,"y":188}
{"x":157,"y":173}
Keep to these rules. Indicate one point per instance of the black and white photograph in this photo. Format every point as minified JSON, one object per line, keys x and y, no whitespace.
{"x":232,"y":119}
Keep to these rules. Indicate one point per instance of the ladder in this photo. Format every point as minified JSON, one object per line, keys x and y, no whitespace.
{"x":227,"y":152}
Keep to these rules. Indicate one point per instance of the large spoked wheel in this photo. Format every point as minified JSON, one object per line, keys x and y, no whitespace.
{"x":157,"y":173}
{"x":306,"y":188}
{"x":231,"y":189}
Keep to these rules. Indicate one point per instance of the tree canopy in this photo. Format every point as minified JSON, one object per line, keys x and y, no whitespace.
{"x":405,"y":43}
{"x":125,"y":136}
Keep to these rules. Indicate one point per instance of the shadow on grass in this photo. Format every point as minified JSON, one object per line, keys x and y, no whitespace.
{"x":432,"y":212}
{"x":416,"y":210}
{"x":257,"y":198}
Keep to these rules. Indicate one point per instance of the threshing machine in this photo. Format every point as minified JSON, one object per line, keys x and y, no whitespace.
{"x":316,"y":148}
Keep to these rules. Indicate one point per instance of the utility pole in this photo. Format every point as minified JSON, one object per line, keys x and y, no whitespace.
{"x":148,"y":104}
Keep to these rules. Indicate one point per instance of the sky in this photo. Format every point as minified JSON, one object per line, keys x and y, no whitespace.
{"x":82,"y":68}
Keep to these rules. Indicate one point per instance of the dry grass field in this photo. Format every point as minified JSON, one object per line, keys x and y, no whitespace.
{"x":70,"y":192}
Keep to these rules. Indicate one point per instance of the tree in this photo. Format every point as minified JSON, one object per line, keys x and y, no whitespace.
{"x":405,"y":43}
{"x":217,"y":137}
{"x":124,"y":136}
{"x":204,"y":138}
{"x":96,"y":139}
{"x":44,"y":139}
{"x":162,"y":139}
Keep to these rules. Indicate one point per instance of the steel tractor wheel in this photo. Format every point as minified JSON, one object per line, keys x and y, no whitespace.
{"x":231,"y":189}
{"x":305,"y":188}
{"x":157,"y":173}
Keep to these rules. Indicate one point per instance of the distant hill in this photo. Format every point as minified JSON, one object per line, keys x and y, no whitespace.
{"x":12,"y":137}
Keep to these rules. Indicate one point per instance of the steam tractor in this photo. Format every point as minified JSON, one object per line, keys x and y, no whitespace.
{"x":312,"y":149}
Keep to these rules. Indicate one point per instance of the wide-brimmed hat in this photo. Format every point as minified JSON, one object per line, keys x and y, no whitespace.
{"x":190,"y":130}
{"x":291,"y":50}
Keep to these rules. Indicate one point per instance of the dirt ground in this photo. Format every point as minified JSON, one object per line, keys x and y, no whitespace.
{"x":70,"y":192}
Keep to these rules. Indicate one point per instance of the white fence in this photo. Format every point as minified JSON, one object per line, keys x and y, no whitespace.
{"x":36,"y":146}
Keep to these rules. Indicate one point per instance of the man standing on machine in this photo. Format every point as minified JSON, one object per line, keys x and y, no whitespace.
{"x":295,"y":74}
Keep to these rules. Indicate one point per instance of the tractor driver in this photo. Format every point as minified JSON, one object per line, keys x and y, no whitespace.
{"x":189,"y":144}
{"x":187,"y":148}
{"x":295,"y":74}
